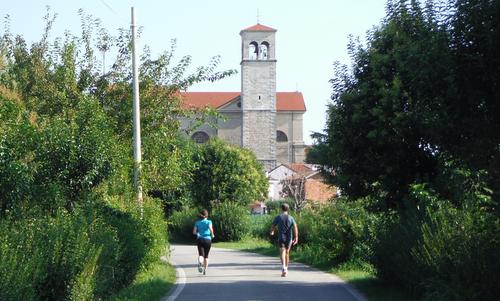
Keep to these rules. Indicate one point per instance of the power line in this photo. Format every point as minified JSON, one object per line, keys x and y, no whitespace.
{"x":114,"y":12}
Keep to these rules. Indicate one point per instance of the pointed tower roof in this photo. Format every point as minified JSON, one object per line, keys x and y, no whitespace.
{"x":259,"y":27}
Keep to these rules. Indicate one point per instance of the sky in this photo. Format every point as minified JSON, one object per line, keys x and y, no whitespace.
{"x":311,"y":35}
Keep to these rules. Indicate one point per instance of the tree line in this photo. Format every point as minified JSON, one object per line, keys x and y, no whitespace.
{"x":413,"y":139}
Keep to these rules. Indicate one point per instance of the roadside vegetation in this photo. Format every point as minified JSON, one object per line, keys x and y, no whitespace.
{"x":71,"y":226}
{"x":412,"y":141}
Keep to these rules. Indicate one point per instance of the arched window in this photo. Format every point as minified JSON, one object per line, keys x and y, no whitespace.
{"x":281,"y":137}
{"x":253,"y":48}
{"x":200,"y":137}
{"x":264,"y":51}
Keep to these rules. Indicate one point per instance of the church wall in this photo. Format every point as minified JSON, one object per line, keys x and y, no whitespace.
{"x":282,"y":152}
{"x":290,"y":123}
{"x":299,"y":150}
{"x":297,"y":128}
{"x":230,"y":129}
{"x":187,"y":123}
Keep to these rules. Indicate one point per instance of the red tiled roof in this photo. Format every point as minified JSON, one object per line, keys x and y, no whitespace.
{"x":299,"y":167}
{"x":259,"y":27}
{"x":203,"y":99}
{"x":285,"y":101}
{"x":290,"y":101}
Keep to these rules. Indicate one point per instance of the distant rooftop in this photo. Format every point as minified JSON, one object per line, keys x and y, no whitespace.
{"x":285,"y":101}
{"x":259,"y":27}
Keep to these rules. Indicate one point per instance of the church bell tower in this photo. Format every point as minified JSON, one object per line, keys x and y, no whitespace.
{"x":258,"y":92}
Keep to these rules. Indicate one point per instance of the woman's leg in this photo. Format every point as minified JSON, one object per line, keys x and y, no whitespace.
{"x":206,"y":249}
{"x":201,"y":254}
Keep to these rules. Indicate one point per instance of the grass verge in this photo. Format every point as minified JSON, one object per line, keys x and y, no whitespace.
{"x":150,"y":285}
{"x":367,"y":283}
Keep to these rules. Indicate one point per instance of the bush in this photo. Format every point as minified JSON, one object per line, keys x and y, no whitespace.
{"x":86,"y":254}
{"x":274,"y":206}
{"x":181,"y":224}
{"x":440,"y":251}
{"x":458,"y":254}
{"x":260,"y":225}
{"x":336,"y":233}
{"x":42,"y":257}
{"x":227,"y":173}
{"x":231,"y":221}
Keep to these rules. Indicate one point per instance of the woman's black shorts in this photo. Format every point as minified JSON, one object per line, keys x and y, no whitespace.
{"x":204,"y":246}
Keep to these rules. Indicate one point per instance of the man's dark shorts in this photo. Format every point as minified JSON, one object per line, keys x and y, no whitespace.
{"x":287,"y":244}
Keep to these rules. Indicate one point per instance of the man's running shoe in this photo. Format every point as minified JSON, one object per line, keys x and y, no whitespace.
{"x":200,"y":269}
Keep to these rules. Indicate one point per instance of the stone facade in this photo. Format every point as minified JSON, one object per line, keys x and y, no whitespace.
{"x":258,"y":95}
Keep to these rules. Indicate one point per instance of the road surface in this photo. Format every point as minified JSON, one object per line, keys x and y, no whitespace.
{"x":241,"y":276}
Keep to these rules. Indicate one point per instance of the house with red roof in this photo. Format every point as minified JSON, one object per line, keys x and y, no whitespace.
{"x":259,"y":118}
{"x":315,"y":187}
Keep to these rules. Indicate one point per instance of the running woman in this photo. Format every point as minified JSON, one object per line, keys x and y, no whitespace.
{"x":204,"y":234}
{"x":284,"y":223}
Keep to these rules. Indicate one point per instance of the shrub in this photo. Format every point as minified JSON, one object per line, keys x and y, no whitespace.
{"x":227,"y":173}
{"x":153,"y":231}
{"x":274,"y":206}
{"x":231,"y":221}
{"x":459,"y":254}
{"x":442,"y":252}
{"x":42,"y":257}
{"x":181,"y":224}
{"x":86,"y":254}
{"x":336,"y":233}
{"x":260,"y":225}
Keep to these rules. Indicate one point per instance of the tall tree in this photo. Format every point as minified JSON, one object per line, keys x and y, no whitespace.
{"x":421,"y":97}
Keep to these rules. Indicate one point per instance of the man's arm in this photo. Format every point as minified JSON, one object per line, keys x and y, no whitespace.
{"x":295,"y":234}
{"x":273,"y":229}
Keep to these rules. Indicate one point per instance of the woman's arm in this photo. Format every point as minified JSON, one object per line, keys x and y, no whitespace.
{"x":211,"y":230}
{"x":195,"y":230}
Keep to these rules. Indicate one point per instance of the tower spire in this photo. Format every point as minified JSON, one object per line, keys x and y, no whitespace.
{"x":258,"y":16}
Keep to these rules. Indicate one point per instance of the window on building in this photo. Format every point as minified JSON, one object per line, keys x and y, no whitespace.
{"x":200,"y":137}
{"x":281,"y":137}
{"x":253,"y":48}
{"x":264,"y":51}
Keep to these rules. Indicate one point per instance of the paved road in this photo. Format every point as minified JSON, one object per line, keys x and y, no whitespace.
{"x":241,"y":276}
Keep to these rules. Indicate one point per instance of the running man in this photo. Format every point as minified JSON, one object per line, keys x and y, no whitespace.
{"x":204,"y":234}
{"x":284,"y":223}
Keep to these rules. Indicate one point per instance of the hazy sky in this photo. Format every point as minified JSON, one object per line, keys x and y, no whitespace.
{"x":311,"y":35}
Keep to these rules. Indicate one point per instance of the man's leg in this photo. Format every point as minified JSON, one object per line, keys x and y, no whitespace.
{"x":283,"y":256}
{"x":287,"y":257}
{"x":283,"y":260}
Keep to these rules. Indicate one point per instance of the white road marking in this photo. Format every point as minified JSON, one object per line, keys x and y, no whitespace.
{"x":179,"y":283}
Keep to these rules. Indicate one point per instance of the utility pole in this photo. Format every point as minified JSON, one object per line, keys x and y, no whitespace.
{"x":136,"y":117}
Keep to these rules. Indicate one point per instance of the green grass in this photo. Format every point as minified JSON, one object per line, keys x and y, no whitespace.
{"x":250,"y":244}
{"x":366,"y":282}
{"x":149,"y":285}
{"x":371,"y":287}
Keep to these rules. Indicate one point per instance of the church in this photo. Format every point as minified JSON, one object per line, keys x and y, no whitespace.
{"x":258,"y":117}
